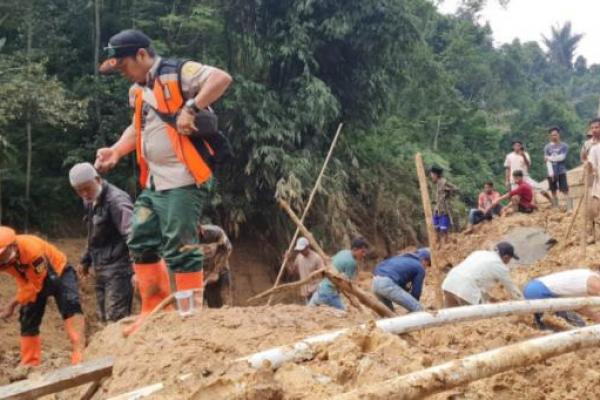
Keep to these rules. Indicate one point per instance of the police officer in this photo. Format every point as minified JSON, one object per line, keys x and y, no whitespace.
{"x":173,"y":170}
{"x":108,"y":214}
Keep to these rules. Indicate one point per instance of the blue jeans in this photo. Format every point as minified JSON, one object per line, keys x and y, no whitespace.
{"x":476,"y":216}
{"x":537,"y":290}
{"x":389,"y":293}
{"x":332,"y":300}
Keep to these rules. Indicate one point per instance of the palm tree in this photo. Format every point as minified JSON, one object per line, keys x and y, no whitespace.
{"x":562,"y":45}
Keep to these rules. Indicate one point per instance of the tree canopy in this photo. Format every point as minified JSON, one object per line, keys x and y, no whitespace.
{"x":401,"y":76}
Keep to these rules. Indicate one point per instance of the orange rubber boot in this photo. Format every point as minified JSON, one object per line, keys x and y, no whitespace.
{"x":31,"y":351}
{"x":153,"y":284}
{"x":75,"y":327}
{"x":191,"y":281}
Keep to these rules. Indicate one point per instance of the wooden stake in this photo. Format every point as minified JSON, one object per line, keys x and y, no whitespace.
{"x":586,"y":210}
{"x":341,"y":282}
{"x":420,"y":384}
{"x":305,"y":212}
{"x":436,"y":270}
{"x":573,"y":219}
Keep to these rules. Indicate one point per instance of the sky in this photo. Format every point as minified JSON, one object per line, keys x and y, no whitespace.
{"x":528,"y":20}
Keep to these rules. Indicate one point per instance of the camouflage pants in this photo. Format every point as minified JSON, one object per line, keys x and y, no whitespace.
{"x":114,"y":292}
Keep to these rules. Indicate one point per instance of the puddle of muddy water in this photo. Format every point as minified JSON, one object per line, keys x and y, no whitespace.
{"x":531,"y":243}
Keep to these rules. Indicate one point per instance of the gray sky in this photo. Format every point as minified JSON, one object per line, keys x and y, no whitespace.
{"x":529,"y":19}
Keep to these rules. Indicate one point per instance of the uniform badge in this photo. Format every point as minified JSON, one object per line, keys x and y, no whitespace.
{"x":39,"y":265}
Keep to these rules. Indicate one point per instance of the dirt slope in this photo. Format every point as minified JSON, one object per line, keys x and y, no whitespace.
{"x":206,"y":345}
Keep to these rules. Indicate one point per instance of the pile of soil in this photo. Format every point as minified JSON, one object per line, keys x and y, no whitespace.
{"x":195,"y":358}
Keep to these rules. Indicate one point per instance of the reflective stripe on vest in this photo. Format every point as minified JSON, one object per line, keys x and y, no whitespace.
{"x":169,"y":100}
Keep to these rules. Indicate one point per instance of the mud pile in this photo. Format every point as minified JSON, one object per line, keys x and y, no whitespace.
{"x":194,"y":358}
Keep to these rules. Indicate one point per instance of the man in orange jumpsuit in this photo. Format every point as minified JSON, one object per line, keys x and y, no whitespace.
{"x":40,"y":271}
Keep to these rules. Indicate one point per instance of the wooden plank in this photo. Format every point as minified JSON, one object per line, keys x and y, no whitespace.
{"x":435,"y":267}
{"x":58,"y":380}
{"x":140,"y":393}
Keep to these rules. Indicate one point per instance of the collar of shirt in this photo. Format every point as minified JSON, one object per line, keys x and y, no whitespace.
{"x":152,"y":73}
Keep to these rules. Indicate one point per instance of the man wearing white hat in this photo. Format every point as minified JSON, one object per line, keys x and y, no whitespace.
{"x":306,"y":262}
{"x":108,"y":215}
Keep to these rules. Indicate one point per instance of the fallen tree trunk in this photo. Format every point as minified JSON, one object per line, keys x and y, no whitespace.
{"x":303,"y":350}
{"x":341,"y":282}
{"x":455,"y":373}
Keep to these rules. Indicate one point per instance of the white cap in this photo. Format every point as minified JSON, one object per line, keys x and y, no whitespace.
{"x":301,"y":244}
{"x":82,"y":173}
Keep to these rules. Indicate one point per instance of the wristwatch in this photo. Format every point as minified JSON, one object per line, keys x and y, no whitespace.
{"x":190,"y":105}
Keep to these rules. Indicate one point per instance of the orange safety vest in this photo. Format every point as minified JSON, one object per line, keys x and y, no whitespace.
{"x":169,"y":98}
{"x":31,"y":268}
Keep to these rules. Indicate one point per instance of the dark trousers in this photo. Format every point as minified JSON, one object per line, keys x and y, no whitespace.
{"x":65,"y":291}
{"x":114,"y":292}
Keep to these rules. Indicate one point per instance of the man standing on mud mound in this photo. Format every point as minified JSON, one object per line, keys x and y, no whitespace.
{"x":571,"y":283}
{"x":400,"y":279}
{"x":173,"y":172}
{"x":345,"y":262}
{"x":471,"y":281}
{"x":40,"y":271}
{"x":519,"y":160}
{"x":441,"y":212}
{"x":592,"y":138}
{"x":218,"y":281}
{"x":108,"y":214}
{"x":555,"y":154}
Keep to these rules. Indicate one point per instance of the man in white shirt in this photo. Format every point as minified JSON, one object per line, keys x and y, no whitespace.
{"x":471,"y":281}
{"x":520,"y":160}
{"x":579,"y":282}
{"x":306,"y":262}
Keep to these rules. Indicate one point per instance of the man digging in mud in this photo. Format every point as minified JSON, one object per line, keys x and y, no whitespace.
{"x":40,"y":271}
{"x":399,"y":279}
{"x":167,"y":95}
{"x":306,"y":262}
{"x":471,"y":281}
{"x":218,"y":281}
{"x":571,"y":283}
{"x":345,"y":262}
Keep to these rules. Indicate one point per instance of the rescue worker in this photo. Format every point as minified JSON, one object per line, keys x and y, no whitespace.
{"x":305,"y":263}
{"x":218,"y":285}
{"x":40,"y":271}
{"x":108,"y":214}
{"x":174,"y":173}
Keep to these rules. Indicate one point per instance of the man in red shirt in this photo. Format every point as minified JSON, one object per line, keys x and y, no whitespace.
{"x":521,"y":197}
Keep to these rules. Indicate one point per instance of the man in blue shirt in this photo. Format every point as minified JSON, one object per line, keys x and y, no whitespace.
{"x":400,"y":279}
{"x":345,"y":262}
{"x":555,"y":154}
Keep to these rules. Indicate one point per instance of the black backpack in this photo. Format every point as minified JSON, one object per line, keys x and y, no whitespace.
{"x":207,"y":123}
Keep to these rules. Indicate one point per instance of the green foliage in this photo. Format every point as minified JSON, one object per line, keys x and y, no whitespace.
{"x":402,"y":77}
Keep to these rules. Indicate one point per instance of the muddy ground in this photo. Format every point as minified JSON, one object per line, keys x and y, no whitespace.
{"x":204,"y":347}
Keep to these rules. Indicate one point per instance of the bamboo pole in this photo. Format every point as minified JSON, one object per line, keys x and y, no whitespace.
{"x":305,"y":349}
{"x":435,"y":266}
{"x":440,"y":378}
{"x":342,"y":283}
{"x":573,"y":219}
{"x":586,"y":210}
{"x":305,"y":212}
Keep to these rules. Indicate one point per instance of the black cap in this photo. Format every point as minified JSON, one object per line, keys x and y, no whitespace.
{"x":123,"y":44}
{"x":517,"y":172}
{"x":506,"y":249}
{"x":437,"y":170}
{"x":359,"y":243}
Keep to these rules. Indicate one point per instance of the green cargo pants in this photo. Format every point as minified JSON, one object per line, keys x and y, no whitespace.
{"x":165,"y":221}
